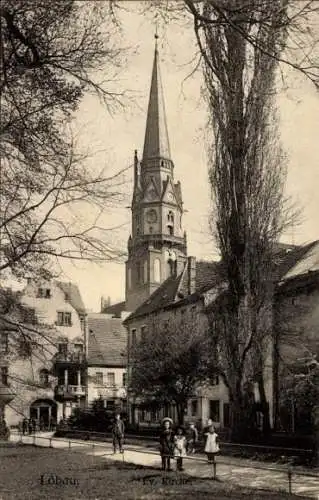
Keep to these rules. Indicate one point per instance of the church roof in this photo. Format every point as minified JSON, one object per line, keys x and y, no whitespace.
{"x":107,"y":341}
{"x":156,"y":143}
{"x":175,"y":289}
{"x":115,"y":309}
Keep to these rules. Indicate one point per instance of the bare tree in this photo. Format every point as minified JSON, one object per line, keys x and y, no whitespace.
{"x":51,"y":54}
{"x":169,"y":363}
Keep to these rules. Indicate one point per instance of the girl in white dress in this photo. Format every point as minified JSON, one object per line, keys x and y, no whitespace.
{"x":180,"y":443}
{"x":211,"y":447}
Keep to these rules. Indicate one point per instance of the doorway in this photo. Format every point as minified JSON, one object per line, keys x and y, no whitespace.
{"x":44,"y":412}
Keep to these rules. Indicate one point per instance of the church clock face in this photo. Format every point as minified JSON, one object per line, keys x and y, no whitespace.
{"x":170,"y":196}
{"x":151,"y":216}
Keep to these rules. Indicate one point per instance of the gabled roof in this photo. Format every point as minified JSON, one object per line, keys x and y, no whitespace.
{"x":175,"y":289}
{"x":73,"y":293}
{"x":162,"y":297}
{"x":286,"y":258}
{"x":107,"y":341}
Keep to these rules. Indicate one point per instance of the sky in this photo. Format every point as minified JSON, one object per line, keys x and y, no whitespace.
{"x":113,"y":140}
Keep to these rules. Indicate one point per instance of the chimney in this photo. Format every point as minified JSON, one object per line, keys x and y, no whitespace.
{"x":191,"y":274}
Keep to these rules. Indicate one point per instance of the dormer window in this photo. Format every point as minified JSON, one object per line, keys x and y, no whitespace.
{"x":44,"y":293}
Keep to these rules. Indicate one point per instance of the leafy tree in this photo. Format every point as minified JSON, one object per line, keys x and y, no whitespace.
{"x":169,"y":362}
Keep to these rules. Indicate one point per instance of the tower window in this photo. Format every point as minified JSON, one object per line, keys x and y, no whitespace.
{"x":170,"y":230}
{"x":170,"y":216}
{"x":150,"y":229}
{"x":157,"y":271}
{"x":138,"y":272}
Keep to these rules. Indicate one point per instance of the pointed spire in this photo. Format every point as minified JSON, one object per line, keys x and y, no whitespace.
{"x":156,"y":143}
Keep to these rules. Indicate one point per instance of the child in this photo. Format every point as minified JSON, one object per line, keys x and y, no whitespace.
{"x":180,"y":448}
{"x":166,"y":443}
{"x":211,"y":447}
{"x":192,"y":438}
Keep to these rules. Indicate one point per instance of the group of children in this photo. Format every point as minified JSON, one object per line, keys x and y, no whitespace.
{"x":179,"y":445}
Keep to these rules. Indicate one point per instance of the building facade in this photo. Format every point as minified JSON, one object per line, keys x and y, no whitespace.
{"x":107,"y":361}
{"x":48,"y":370}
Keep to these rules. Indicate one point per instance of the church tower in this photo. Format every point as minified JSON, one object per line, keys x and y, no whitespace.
{"x":157,"y":245}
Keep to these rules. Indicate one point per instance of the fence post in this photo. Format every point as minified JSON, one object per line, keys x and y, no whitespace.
{"x":50,"y":443}
{"x":69,"y":444}
{"x":289,"y":479}
{"x":33,"y":439}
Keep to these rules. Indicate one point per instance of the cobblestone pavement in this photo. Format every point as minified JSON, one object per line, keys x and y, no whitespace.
{"x":274,"y":478}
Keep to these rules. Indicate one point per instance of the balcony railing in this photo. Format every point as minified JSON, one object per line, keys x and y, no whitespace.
{"x":111,"y":391}
{"x":69,"y":357}
{"x":70,"y":391}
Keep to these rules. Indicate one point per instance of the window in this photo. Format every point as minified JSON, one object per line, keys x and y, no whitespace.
{"x":66,"y":297}
{"x":4,"y":375}
{"x":99,"y":378}
{"x":29,"y":316}
{"x":150,"y":229}
{"x":194,"y":405}
{"x":110,"y":378}
{"x":3,"y":342}
{"x":63,"y":348}
{"x":124,"y":380}
{"x":138,"y":272}
{"x":170,"y":216}
{"x":110,"y":404}
{"x":44,"y":377}
{"x":78,"y":347}
{"x":143,"y":333}
{"x":214,"y":409}
{"x":129,"y":278}
{"x":145,"y":272}
{"x":44,"y":293}
{"x":215,"y":380}
{"x":64,"y":319}
{"x":170,"y":230}
{"x":157,"y":271}
{"x":133,"y":342}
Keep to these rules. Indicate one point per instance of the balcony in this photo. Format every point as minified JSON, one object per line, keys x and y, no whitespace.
{"x":67,"y":358}
{"x":69,"y":392}
{"x":111,"y":391}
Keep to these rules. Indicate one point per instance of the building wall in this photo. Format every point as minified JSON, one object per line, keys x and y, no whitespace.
{"x":297,"y":327}
{"x":47,"y":308}
{"x":114,"y":396}
{"x":24,"y":373}
{"x":194,"y":314}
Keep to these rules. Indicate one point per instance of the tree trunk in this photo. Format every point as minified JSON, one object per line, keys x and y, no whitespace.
{"x":264,"y":405}
{"x":180,"y":408}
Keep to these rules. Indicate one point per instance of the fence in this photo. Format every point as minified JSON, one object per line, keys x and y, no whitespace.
{"x":293,"y":476}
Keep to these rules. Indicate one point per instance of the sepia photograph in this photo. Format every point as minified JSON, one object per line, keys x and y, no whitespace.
{"x":159,"y":249}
